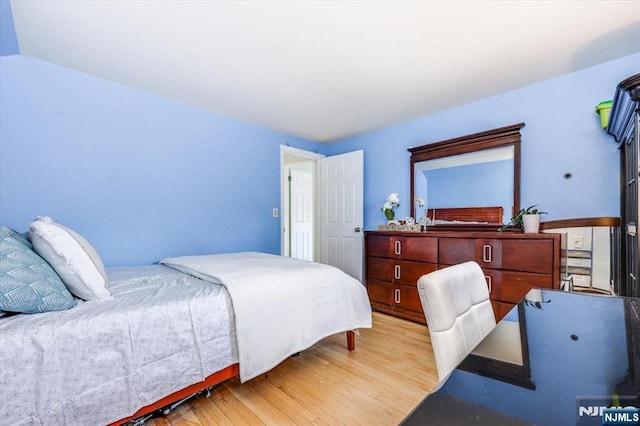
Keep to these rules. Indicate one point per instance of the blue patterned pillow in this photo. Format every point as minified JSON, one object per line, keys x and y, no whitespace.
{"x":21,"y":238}
{"x":27,"y":283}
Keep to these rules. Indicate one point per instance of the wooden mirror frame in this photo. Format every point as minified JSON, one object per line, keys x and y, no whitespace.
{"x":496,"y":138}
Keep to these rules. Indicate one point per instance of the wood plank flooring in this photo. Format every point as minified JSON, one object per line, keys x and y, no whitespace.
{"x":389,"y":373}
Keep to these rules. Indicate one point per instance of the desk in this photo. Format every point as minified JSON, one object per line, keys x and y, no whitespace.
{"x":581,"y":350}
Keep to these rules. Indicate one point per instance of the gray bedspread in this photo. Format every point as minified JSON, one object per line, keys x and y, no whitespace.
{"x":103,"y":360}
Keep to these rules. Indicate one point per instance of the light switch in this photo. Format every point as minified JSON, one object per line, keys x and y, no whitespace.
{"x":275,"y":212}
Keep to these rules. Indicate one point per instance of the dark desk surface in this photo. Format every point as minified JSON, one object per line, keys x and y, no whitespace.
{"x":583,"y":352}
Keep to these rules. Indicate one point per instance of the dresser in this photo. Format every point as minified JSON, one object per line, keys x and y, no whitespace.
{"x":513,"y":263}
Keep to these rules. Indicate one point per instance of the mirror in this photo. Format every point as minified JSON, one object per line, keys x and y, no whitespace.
{"x":470,"y":182}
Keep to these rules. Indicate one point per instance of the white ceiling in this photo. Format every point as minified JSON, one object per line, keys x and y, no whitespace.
{"x":323,"y":70}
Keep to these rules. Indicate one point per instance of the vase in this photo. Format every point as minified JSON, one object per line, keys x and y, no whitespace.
{"x":531,"y":223}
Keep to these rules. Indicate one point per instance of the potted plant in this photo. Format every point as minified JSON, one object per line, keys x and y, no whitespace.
{"x":392,"y":201}
{"x":527,"y":219}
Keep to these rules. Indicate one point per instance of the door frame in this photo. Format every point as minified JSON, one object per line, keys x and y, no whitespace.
{"x":284,"y":191}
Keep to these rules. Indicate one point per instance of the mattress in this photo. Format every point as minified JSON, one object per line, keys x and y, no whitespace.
{"x":103,"y":360}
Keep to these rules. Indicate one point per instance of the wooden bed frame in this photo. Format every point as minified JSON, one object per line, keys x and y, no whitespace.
{"x":212,"y":380}
{"x":492,"y":215}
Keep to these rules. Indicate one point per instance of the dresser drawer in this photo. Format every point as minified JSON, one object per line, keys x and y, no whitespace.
{"x":380,"y":291}
{"x":511,"y":287}
{"x":527,"y":255}
{"x":397,"y":271}
{"x":452,"y":251}
{"x":397,"y":295}
{"x":418,"y":248}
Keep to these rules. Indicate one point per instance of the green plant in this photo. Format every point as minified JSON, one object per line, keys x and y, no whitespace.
{"x":516,"y":220}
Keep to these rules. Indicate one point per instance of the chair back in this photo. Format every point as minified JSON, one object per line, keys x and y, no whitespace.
{"x":458,"y":311}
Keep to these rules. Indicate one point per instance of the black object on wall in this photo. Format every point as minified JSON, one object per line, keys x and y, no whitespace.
{"x":624,"y":126}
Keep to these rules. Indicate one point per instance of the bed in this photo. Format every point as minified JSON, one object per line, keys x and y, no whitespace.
{"x":487,"y":219}
{"x":166,"y":331}
{"x":473,"y":215}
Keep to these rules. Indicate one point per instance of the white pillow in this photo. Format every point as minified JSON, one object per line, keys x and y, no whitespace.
{"x":72,"y":257}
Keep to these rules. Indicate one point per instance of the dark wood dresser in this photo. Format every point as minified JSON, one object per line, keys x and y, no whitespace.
{"x":513,"y":263}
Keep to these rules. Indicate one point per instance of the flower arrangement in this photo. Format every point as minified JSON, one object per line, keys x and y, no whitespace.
{"x":393,"y":201}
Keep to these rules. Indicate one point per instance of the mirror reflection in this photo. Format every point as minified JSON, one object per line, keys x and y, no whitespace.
{"x":504,"y":343}
{"x":504,"y":353}
{"x":476,"y":179}
{"x":470,"y":182}
{"x":589,"y":258}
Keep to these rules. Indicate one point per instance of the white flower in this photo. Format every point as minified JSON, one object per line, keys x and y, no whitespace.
{"x":419,"y":202}
{"x":394,"y":199}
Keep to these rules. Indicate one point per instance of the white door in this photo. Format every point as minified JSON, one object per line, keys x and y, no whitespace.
{"x":341,"y":179}
{"x":301,"y":212}
{"x":294,"y":158}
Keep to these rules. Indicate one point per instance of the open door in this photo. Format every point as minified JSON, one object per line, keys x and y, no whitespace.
{"x":341,"y":239}
{"x":298,"y":200}
{"x":300,"y":212}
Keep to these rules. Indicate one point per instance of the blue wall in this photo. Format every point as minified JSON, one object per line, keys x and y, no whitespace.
{"x":8,"y":39}
{"x":466,"y":186}
{"x":140,"y":176}
{"x":144,"y":177}
{"x":562,"y":134}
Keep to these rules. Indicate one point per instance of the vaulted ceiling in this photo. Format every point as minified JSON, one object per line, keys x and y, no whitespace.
{"x":324,"y":70}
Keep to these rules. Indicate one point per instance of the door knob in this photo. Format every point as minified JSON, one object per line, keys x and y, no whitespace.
{"x":358,"y":229}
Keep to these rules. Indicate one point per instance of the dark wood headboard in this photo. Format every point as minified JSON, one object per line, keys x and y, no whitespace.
{"x":468,"y":214}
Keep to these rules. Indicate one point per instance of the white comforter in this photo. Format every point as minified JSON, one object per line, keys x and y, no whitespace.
{"x":281,"y":305}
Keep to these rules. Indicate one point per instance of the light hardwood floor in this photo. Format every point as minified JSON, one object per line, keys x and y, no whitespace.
{"x":389,"y":373}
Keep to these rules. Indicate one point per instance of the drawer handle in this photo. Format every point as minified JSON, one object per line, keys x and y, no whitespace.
{"x":396,"y":272}
{"x":398,"y":248}
{"x":486,"y":253}
{"x":488,"y":278}
{"x":396,"y":295}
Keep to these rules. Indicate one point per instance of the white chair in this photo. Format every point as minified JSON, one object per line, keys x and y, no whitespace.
{"x":458,"y":311}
